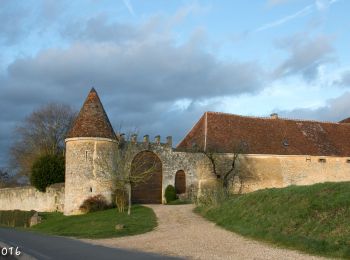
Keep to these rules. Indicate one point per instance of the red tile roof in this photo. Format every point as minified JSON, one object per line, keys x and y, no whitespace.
{"x":92,"y":120}
{"x":220,"y":132}
{"x":345,"y":121}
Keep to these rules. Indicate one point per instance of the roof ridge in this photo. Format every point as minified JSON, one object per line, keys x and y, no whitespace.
{"x":279,"y":118}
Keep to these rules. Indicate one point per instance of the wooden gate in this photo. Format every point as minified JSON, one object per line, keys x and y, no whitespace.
{"x":180,"y":182}
{"x":150,"y":191}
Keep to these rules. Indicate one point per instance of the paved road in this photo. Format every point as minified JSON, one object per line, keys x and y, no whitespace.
{"x":54,"y":247}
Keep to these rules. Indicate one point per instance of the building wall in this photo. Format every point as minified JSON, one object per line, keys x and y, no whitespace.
{"x":89,"y":171}
{"x":29,"y":198}
{"x":277,"y":171}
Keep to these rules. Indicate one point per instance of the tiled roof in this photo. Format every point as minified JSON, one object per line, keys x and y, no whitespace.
{"x":221,"y":132}
{"x":345,"y":121}
{"x":92,"y":120}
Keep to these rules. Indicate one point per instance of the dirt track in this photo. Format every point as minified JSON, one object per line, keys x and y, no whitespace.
{"x":181,"y":232}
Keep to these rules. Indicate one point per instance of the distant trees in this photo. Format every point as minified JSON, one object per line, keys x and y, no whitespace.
{"x":46,"y":170}
{"x":6,"y":180}
{"x":41,"y":133}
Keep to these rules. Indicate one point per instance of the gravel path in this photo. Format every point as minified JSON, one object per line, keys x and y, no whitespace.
{"x":181,"y":232}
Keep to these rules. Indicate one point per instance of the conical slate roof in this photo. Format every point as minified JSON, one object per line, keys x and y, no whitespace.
{"x":92,"y":120}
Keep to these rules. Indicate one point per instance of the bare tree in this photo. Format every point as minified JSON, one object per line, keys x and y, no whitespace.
{"x":225,"y":166}
{"x":129,"y":171}
{"x":7,"y":180}
{"x":42,"y":132}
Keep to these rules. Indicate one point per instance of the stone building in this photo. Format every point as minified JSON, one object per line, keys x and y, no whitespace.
{"x":277,"y":153}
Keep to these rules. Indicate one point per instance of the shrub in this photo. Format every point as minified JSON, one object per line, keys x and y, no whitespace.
{"x":47,"y":170}
{"x":15,"y":218}
{"x":170,"y":193}
{"x":94,"y":203}
{"x":212,"y":197}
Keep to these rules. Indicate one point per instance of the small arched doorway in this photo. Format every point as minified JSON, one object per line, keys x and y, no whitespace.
{"x":150,"y":190}
{"x":180,"y":182}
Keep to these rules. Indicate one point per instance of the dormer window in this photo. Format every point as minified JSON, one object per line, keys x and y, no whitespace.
{"x":285,"y":143}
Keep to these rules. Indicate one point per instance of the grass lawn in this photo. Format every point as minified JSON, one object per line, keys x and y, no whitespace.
{"x":99,"y":224}
{"x":314,"y":219}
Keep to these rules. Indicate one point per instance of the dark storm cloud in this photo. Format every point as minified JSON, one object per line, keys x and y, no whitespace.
{"x":306,"y":54}
{"x":139,"y":76}
{"x":335,"y":110}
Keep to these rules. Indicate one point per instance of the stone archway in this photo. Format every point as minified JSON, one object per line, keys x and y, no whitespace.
{"x":150,"y":191}
{"x":180,"y":182}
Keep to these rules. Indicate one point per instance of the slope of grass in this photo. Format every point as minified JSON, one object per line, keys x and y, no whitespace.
{"x":314,"y":219}
{"x":99,"y":224}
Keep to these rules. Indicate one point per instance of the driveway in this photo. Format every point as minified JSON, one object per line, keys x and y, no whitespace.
{"x":182,"y":233}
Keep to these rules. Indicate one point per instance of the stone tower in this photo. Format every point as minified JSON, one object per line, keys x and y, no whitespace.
{"x":90,"y":148}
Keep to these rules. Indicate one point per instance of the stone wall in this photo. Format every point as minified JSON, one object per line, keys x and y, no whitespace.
{"x":278,"y":171}
{"x":195,"y":165}
{"x":29,"y":198}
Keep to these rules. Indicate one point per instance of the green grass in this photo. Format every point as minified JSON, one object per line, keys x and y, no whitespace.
{"x":99,"y":224}
{"x":314,"y":219}
{"x":179,"y":202}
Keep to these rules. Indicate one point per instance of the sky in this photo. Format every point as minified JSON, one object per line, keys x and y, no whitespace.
{"x":158,"y":65}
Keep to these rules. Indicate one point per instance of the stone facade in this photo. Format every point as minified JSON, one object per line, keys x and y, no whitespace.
{"x":89,"y":168}
{"x":29,"y":198}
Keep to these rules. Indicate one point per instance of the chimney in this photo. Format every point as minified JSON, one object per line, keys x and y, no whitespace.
{"x":274,"y":116}
{"x":157,"y":139}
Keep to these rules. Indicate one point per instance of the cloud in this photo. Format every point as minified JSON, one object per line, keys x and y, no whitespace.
{"x":306,"y":10}
{"x":318,"y":5}
{"x":277,"y":2}
{"x":344,"y":79}
{"x":139,"y":72}
{"x":334,"y":110}
{"x":129,"y":6}
{"x":306,"y":54}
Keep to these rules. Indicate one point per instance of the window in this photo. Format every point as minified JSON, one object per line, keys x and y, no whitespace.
{"x":90,"y":189}
{"x":348,"y":161}
{"x":322,"y":160}
{"x":86,"y":155}
{"x":308,"y":158}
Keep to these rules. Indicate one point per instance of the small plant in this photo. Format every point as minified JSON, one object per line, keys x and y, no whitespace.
{"x":121,"y":199}
{"x":47,"y":170}
{"x":170,"y":193}
{"x":94,"y":203}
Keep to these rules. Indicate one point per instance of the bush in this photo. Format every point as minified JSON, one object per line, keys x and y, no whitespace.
{"x":47,"y":170}
{"x":170,"y":193}
{"x":212,"y":197}
{"x":94,"y":203}
{"x":15,"y":218}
